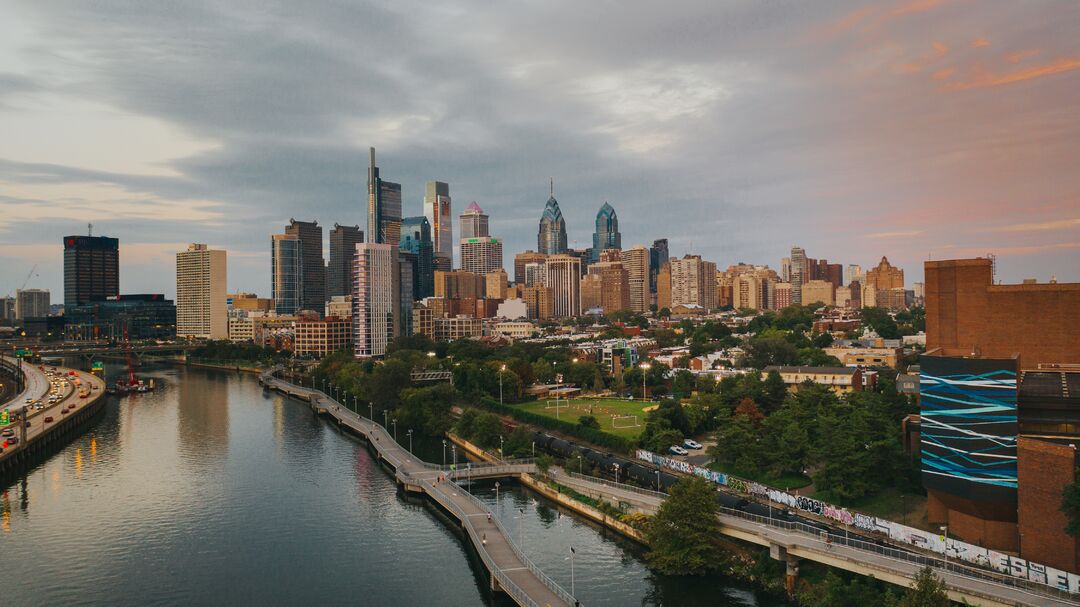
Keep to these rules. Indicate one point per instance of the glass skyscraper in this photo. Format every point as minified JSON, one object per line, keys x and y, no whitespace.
{"x":551,"y":240}
{"x":286,"y":265}
{"x":416,"y":239}
{"x":437,"y":211}
{"x":384,"y":207}
{"x":607,"y":234}
{"x":91,"y":269}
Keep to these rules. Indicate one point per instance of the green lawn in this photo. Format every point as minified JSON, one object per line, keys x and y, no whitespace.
{"x":788,"y":481}
{"x":602,"y":409}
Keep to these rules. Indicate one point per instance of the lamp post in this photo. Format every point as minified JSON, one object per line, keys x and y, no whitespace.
{"x":521,"y":530}
{"x":658,"y":480}
{"x":501,"y":454}
{"x":945,"y":534}
{"x":616,"y":466}
{"x":371,"y":411}
{"x":453,"y":451}
{"x":501,"y":369}
{"x":410,"y":439}
{"x":572,"y":594}
{"x":444,"y":452}
{"x":534,"y":449}
{"x":395,"y":429}
{"x":644,"y":371}
{"x":496,"y":495}
{"x":385,"y":416}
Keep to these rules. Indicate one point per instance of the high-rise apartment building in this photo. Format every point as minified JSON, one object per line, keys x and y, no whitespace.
{"x":551,"y":239}
{"x":798,"y":273}
{"x":313,"y":289}
{"x":638,"y":270}
{"x":782,"y":295}
{"x":343,"y":241}
{"x":747,"y":293}
{"x":534,"y":274}
{"x":460,"y":284}
{"x":607,"y":285}
{"x":31,"y":303}
{"x":885,"y":276}
{"x":563,"y":276}
{"x":474,"y":222}
{"x":91,"y":269}
{"x":785,"y":269}
{"x":658,"y":256}
{"x":202,"y":311}
{"x":606,"y":236}
{"x":692,"y":282}
{"x":538,"y":301}
{"x":495,"y":284}
{"x":481,"y":255}
{"x":416,"y":239}
{"x":384,"y":207}
{"x":523,"y":259}
{"x":437,"y":211}
{"x":7,"y":310}
{"x":287,"y":273}
{"x":375,"y":299}
{"x":818,"y":291}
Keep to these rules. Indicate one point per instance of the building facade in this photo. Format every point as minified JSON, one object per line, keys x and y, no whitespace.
{"x":313,"y":287}
{"x":437,"y":211}
{"x":202,"y":310}
{"x":637,"y":261}
{"x":481,"y":255}
{"x":319,"y":338}
{"x":606,"y":236}
{"x":287,"y":273}
{"x":416,"y":239}
{"x":91,"y":269}
{"x":798,"y":273}
{"x":523,"y":259}
{"x":563,"y":276}
{"x":31,"y":303}
{"x":376,"y":307}
{"x":551,"y":239}
{"x":343,"y":241}
{"x":658,"y":256}
{"x":384,"y":207}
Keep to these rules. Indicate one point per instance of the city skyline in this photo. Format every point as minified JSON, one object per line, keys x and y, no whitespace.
{"x":958,"y":143}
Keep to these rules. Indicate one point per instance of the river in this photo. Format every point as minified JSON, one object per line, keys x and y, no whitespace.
{"x":212,"y":492}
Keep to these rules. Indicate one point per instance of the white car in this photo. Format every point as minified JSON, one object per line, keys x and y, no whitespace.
{"x":677,"y":450}
{"x":691,"y":444}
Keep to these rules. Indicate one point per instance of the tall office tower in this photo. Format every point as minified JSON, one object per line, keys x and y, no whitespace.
{"x":287,"y":273}
{"x":663,"y":287}
{"x":313,"y":289}
{"x":607,"y":234}
{"x":384,"y":207}
{"x":551,"y":239}
{"x":854,"y":273}
{"x":416,"y":239}
{"x":407,"y":263}
{"x":563,"y":276}
{"x":375,"y":298}
{"x":658,"y":256}
{"x":481,"y":255}
{"x":798,"y":273}
{"x":474,"y":222}
{"x":785,"y":269}
{"x":202,"y":311}
{"x":638,"y":271}
{"x":91,"y":269}
{"x":437,"y":211}
{"x":534,"y":274}
{"x":31,"y":303}
{"x":885,"y":276}
{"x":343,"y":241}
{"x":523,"y":259}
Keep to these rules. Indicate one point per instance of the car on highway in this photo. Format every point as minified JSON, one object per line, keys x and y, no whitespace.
{"x":677,"y":450}
{"x":14,"y":440}
{"x":691,"y":444}
{"x":7,"y":432}
{"x":48,"y":419}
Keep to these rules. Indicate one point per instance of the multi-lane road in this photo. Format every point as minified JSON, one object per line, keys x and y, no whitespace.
{"x":74,"y":390}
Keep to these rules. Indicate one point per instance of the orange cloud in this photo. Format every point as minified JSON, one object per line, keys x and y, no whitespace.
{"x":944,"y":74}
{"x":913,"y":6}
{"x":876,"y":16}
{"x":938,"y":51}
{"x":978,"y":42}
{"x":985,"y":78}
{"x":1019,"y":250}
{"x":1019,"y":56}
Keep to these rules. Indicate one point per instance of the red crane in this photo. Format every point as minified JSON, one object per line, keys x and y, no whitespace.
{"x":132,"y":380}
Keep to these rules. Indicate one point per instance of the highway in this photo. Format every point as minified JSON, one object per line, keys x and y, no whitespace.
{"x":68,"y":405}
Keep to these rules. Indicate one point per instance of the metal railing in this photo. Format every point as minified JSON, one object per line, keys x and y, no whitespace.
{"x":613,"y":485}
{"x":955,"y":567}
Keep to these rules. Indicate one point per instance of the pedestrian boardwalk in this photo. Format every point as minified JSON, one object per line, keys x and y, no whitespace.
{"x":511,"y":571}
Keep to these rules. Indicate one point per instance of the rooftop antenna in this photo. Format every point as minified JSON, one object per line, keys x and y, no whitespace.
{"x":90,"y":229}
{"x":552,"y":191}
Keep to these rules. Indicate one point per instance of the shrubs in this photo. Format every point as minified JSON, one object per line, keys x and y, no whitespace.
{"x":592,"y":435}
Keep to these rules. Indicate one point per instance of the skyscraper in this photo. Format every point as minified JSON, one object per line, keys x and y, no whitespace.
{"x":798,"y":273}
{"x":384,"y":207}
{"x":607,"y":234}
{"x":693,"y":281}
{"x":287,"y":273}
{"x":31,"y":303}
{"x":474,"y":222}
{"x":416,"y":239}
{"x":481,"y":255}
{"x":91,"y":269}
{"x":522,"y":260}
{"x":658,"y":256}
{"x":313,"y":287}
{"x":201,"y":279}
{"x":343,"y":241}
{"x":563,"y":276}
{"x":437,"y":211}
{"x":636,"y":261}
{"x":375,"y":295}
{"x":551,"y":239}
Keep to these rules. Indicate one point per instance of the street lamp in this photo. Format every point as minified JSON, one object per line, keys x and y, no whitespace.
{"x":496,"y":495}
{"x":644,"y":371}
{"x":410,"y":439}
{"x":395,"y":429}
{"x":453,"y":451}
{"x":945,"y":532}
{"x":501,"y":369}
{"x":385,"y":415}
{"x":658,"y":480}
{"x":371,"y":411}
{"x":501,"y":454}
{"x":521,"y":530}
{"x":616,"y":466}
{"x":444,"y":452}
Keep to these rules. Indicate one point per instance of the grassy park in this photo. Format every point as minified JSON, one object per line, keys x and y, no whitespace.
{"x":607,"y":411}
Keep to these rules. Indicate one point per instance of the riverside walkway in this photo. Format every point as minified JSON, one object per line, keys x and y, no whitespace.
{"x":511,"y":571}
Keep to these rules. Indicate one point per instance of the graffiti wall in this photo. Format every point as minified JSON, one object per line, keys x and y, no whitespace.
{"x":896,"y":532}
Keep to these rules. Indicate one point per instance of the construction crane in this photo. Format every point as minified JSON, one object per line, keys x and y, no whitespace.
{"x":29,"y":275}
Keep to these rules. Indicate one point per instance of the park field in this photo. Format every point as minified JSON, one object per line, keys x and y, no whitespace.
{"x":607,"y":411}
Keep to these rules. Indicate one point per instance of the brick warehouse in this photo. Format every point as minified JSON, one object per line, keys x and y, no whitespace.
{"x":1000,"y":409}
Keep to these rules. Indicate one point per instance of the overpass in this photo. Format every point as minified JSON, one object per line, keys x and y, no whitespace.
{"x":62,"y":349}
{"x":511,"y":570}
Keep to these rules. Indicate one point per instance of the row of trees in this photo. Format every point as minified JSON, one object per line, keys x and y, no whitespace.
{"x":228,"y":351}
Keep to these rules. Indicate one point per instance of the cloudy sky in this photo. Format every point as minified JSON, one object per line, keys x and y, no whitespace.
{"x":909,"y":128}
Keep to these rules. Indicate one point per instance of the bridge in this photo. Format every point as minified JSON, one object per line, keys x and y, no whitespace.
{"x":35,"y":428}
{"x":511,"y":570}
{"x":61,"y":349}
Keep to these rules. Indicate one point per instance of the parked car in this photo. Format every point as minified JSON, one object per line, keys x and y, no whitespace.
{"x":677,"y":450}
{"x":691,"y":444}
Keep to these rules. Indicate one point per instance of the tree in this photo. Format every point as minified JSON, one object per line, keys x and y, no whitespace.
{"x":762,"y":352}
{"x":1070,"y":505}
{"x":518,"y":444}
{"x":387,"y":381}
{"x":682,"y":535}
{"x":879,"y":320}
{"x":588,"y":421}
{"x":486,"y":430}
{"x":426,"y":410}
{"x":774,"y":391}
{"x":927,"y":590}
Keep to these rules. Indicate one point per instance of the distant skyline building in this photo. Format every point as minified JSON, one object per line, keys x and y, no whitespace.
{"x":658,"y":256}
{"x":91,"y":269}
{"x":287,"y":273}
{"x":31,"y":303}
{"x":606,"y":235}
{"x":563,"y":277}
{"x":343,"y":241}
{"x":854,"y":272}
{"x":375,"y":299}
{"x":313,"y":288}
{"x":551,"y":239}
{"x":474,"y":222}
{"x":416,"y":239}
{"x":481,"y":255}
{"x":522,"y":260}
{"x":798,"y":273}
{"x":638,"y":270}
{"x":202,"y":311}
{"x":437,"y":211}
{"x":384,"y":207}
